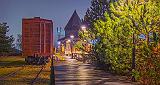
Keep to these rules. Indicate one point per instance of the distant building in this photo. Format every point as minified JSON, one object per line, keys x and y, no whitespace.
{"x":60,"y":33}
{"x":66,"y":44}
{"x":37,"y":36}
{"x":73,"y":26}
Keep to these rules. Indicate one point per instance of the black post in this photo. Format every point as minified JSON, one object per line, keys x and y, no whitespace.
{"x":52,"y":76}
{"x":71,"y":50}
{"x":133,"y":57}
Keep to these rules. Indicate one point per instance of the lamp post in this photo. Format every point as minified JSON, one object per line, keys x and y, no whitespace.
{"x":59,"y":46}
{"x":52,"y":75}
{"x":133,"y":57}
{"x":68,"y":41}
{"x":83,"y":28}
{"x":72,"y":37}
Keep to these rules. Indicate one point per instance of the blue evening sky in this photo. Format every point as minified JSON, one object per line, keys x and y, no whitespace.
{"x":12,"y":11}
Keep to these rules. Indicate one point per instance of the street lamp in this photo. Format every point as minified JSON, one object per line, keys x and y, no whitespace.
{"x":83,"y":27}
{"x":133,"y":57}
{"x":59,"y":42}
{"x":71,"y":36}
{"x":59,"y":46}
{"x":52,"y":75}
{"x":68,"y":40}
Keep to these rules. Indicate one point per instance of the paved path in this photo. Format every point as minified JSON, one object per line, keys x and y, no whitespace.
{"x":72,"y":72}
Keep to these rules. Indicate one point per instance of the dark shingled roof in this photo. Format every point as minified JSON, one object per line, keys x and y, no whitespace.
{"x":74,"y":21}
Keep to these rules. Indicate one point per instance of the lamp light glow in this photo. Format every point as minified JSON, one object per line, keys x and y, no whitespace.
{"x":59,"y":42}
{"x":83,"y":27}
{"x":72,"y":36}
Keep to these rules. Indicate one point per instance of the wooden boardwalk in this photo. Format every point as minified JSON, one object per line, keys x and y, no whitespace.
{"x":72,"y":72}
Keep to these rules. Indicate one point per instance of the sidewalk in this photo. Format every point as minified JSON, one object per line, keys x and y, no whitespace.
{"x":72,"y":72}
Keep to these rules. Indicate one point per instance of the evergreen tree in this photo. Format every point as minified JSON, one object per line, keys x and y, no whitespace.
{"x":5,"y":41}
{"x":96,"y":11}
{"x":115,"y":38}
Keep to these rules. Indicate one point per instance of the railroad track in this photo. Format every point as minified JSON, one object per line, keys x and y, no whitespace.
{"x":11,"y":74}
{"x":40,"y":71}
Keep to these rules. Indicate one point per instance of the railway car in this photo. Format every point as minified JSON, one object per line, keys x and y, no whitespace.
{"x":37,"y":40}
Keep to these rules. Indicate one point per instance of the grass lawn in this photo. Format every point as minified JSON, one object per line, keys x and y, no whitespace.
{"x":24,"y":76}
{"x":9,"y":64}
{"x":11,"y":61}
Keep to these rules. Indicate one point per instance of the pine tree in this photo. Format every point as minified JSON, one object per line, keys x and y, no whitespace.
{"x":5,"y":41}
{"x":115,"y":38}
{"x":128,"y":18}
{"x":96,"y":11}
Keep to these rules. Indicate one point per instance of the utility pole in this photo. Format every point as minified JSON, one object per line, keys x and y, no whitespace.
{"x":52,"y":75}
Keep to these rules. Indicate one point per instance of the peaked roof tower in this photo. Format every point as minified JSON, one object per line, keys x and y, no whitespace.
{"x":74,"y":21}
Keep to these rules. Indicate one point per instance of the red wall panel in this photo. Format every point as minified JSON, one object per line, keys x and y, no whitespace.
{"x":37,"y":36}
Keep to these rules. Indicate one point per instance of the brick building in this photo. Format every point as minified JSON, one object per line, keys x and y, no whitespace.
{"x":66,"y":44}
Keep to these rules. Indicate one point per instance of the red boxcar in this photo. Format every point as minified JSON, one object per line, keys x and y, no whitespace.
{"x":37,"y":37}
